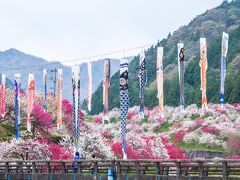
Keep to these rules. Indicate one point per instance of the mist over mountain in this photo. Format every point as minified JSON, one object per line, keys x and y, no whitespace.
{"x":14,"y":61}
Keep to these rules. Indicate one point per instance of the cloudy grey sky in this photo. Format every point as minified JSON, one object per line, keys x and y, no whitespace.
{"x":69,"y":29}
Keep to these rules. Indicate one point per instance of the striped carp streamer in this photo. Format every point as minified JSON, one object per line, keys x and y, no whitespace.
{"x":3,"y":95}
{"x":160,"y":78}
{"x":124,"y":102}
{"x":31,"y":96}
{"x":203,"y":63}
{"x":59,"y":99}
{"x":45,"y":89}
{"x":181,"y":71}
{"x":76,"y":103}
{"x":89,"y":99}
{"x":142,"y":82}
{"x":106,"y":86}
{"x":225,"y":38}
{"x":17,"y":104}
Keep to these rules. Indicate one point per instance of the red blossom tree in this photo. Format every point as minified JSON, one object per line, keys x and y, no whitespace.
{"x":179,"y":136}
{"x":174,"y":152}
{"x":131,"y":153}
{"x":67,"y":109}
{"x":211,"y":130}
{"x":41,"y":120}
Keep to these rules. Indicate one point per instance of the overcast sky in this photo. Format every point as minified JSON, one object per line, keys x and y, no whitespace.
{"x":68,"y":29}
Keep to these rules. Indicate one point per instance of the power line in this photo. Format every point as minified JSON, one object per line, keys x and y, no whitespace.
{"x":79,"y":59}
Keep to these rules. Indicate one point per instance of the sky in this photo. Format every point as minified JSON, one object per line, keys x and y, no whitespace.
{"x":63,"y":30}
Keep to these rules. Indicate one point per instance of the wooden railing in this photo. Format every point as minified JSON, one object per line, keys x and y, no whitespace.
{"x":177,"y":168}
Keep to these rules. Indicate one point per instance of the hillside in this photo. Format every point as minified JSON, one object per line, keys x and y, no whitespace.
{"x":210,"y":24}
{"x":14,"y":61}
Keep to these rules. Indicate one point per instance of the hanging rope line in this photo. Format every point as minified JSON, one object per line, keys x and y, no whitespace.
{"x":78,"y":59}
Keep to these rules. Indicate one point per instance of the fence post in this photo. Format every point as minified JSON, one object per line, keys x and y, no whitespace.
{"x":95,"y":167}
{"x":33,"y":167}
{"x":225,"y":170}
{"x":7,"y":170}
{"x":118,"y":170}
{"x":157,"y":168}
{"x":201,"y":169}
{"x":206,"y":172}
{"x":113,"y":164}
{"x":20,"y":167}
{"x":7,"y":167}
{"x":138,"y":171}
{"x":79,"y":168}
{"x":166,"y":170}
{"x":63,"y":167}
{"x":179,"y":171}
{"x":49,"y":167}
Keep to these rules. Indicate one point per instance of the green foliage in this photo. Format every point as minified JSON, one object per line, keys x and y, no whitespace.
{"x":6,"y":130}
{"x":113,"y":120}
{"x":88,"y":118}
{"x":199,"y":147}
{"x":163,"y":128}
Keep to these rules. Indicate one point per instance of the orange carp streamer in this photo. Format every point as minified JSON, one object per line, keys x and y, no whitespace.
{"x":59,"y":99}
{"x":31,"y":97}
{"x":203,"y":63}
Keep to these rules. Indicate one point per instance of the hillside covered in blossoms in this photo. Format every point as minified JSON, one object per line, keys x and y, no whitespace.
{"x":154,"y":137}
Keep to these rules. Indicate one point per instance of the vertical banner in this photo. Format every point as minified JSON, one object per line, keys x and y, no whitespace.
{"x":124,"y":102}
{"x":89,"y":100}
{"x":181,"y":71}
{"x":160,"y":78}
{"x":17,"y":104}
{"x":203,"y":70}
{"x":59,"y":98}
{"x":31,"y":88}
{"x":76,"y":103}
{"x":3,"y":95}
{"x":106,"y":86}
{"x":225,"y":37}
{"x":45,"y":89}
{"x":142,"y":82}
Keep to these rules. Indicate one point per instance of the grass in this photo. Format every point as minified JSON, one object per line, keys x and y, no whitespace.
{"x":163,"y":128}
{"x":6,"y":130}
{"x":196,"y":146}
{"x":89,"y":118}
{"x":22,"y":128}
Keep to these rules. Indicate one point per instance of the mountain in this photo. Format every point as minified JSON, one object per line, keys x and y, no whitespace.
{"x":14,"y":61}
{"x":210,"y":25}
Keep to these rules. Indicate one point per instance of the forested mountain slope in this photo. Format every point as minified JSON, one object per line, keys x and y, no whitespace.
{"x":210,"y":25}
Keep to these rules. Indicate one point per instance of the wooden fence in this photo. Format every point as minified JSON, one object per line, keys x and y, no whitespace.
{"x":150,"y":169}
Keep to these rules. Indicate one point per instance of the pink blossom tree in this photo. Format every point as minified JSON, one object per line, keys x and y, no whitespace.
{"x":24,"y":149}
{"x":233,"y":141}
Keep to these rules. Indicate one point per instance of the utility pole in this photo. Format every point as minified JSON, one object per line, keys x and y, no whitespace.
{"x":54,"y":80}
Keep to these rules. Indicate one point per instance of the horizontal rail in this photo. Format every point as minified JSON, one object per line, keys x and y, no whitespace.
{"x":133,"y":160}
{"x":178,"y":168}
